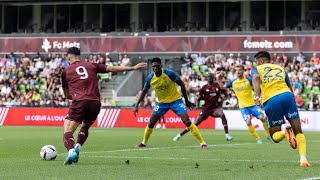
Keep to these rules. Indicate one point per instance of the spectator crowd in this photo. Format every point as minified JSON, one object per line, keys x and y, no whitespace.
{"x":304,"y":75}
{"x":36,"y":82}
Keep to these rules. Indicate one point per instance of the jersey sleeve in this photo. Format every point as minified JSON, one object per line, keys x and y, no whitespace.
{"x":254,"y":71}
{"x":287,"y":80}
{"x":229,"y":84}
{"x":173,"y":76}
{"x":101,"y":68}
{"x":64,"y":80}
{"x":250,"y":81}
{"x":148,"y":80}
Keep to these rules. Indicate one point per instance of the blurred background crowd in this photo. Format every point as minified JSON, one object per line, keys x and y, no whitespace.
{"x":35,"y":82}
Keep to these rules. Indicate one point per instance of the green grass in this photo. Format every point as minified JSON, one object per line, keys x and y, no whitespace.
{"x":105,"y":153}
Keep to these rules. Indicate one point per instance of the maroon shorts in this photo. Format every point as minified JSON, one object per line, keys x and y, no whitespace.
{"x":84,"y":110}
{"x":205,"y":113}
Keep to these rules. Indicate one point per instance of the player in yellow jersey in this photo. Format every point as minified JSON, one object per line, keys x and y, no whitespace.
{"x":271,"y":82}
{"x":164,"y":81}
{"x":243,"y":89}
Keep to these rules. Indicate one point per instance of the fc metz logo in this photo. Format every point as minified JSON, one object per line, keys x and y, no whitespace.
{"x":46,"y":45}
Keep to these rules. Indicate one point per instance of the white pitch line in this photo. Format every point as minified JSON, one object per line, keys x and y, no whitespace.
{"x":312,"y":178}
{"x":194,"y":159}
{"x":159,"y":148}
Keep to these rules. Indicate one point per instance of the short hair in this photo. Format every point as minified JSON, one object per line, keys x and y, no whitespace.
{"x":156,"y":59}
{"x":240,"y":66}
{"x":263,"y":54}
{"x":74,"y":51}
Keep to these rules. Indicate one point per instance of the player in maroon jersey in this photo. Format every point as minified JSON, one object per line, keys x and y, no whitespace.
{"x":211,"y":93}
{"x":80,"y":84}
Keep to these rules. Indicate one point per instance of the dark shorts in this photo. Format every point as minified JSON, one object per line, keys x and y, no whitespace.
{"x":84,"y":111}
{"x":205,"y":113}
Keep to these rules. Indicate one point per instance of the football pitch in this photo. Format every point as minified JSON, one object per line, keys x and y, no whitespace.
{"x":111,"y":154}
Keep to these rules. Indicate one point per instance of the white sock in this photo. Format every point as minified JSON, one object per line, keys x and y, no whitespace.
{"x":303,"y":158}
{"x":227,"y":135}
{"x":70,"y":151}
{"x":203,"y":143}
{"x":78,"y":145}
{"x":179,"y":135}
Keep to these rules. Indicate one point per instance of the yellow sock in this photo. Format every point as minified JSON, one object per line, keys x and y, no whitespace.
{"x":278,"y":136}
{"x":146,"y":135}
{"x":253,"y":132}
{"x":266,"y":129}
{"x":195,"y":131}
{"x":301,"y":142}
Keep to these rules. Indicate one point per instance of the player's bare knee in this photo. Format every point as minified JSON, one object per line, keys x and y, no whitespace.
{"x":248,"y":122}
{"x":262,"y":118}
{"x":185,"y":119}
{"x":151,"y":125}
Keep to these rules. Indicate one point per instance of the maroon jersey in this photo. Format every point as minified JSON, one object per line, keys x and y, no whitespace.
{"x":82,"y":80}
{"x":211,"y":95}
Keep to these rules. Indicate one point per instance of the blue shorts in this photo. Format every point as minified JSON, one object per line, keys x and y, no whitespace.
{"x":178,"y":107}
{"x":255,"y":110}
{"x":279,"y":106}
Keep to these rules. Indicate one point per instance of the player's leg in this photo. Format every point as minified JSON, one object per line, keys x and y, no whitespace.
{"x":274,"y":113}
{"x":180,"y":109}
{"x":70,"y":126}
{"x":257,"y":112}
{"x":192,"y":128}
{"x":292,"y":115}
{"x":82,"y":137}
{"x":219,"y":113}
{"x":202,"y":117}
{"x":276,"y":133}
{"x":74,"y":118}
{"x":300,"y":139}
{"x":158,"y":111}
{"x":91,"y":113}
{"x":245,"y":112}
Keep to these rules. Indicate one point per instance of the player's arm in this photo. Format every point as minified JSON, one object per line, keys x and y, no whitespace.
{"x":288,"y":82}
{"x":185,"y":94}
{"x":125,"y":68}
{"x":256,"y":85}
{"x":65,"y":86}
{"x":141,"y":97}
{"x":142,"y":94}
{"x":200,"y":96}
{"x":67,"y":94}
{"x":220,"y":83}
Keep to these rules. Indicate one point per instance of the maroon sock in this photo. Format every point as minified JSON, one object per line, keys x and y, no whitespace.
{"x":83,"y":135}
{"x":225,"y":124}
{"x":68,"y":140}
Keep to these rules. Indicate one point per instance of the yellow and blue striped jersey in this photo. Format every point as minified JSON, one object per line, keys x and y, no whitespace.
{"x":243,"y":90}
{"x":273,"y":80}
{"x":164,"y":86}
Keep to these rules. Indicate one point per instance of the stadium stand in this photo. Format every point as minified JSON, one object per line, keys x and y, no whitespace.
{"x":35,"y":82}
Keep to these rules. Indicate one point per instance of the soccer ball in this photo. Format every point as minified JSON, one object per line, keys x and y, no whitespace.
{"x":48,"y":152}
